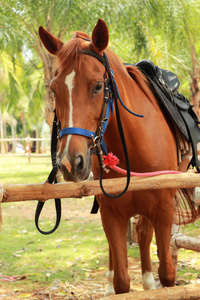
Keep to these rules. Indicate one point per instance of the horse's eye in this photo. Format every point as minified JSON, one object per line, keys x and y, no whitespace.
{"x":97,"y":88}
{"x":52,"y":92}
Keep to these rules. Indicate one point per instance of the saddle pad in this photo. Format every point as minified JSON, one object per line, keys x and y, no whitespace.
{"x":155,"y":77}
{"x":169,"y":108}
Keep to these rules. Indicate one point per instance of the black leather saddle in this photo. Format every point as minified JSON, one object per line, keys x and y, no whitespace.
{"x":148,"y":67}
{"x":165,"y":86}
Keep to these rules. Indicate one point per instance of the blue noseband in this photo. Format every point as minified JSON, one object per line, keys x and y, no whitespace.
{"x":76,"y":130}
{"x":88,"y":133}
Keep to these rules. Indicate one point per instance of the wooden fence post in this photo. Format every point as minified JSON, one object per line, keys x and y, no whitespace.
{"x":28,"y":148}
{"x":174,"y":250}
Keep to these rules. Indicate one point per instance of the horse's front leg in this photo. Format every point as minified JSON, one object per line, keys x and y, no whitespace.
{"x":110,"y":275}
{"x":145,"y":233}
{"x":162,"y":225}
{"x":115,"y":227}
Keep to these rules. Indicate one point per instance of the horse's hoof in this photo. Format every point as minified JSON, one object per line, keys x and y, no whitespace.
{"x":110,"y":289}
{"x":148,"y":281}
{"x":109,"y":292}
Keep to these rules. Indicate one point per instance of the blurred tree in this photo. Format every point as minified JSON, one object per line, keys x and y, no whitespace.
{"x":164,"y":31}
{"x":9,"y":89}
{"x":168,"y":33}
{"x":19,"y":29}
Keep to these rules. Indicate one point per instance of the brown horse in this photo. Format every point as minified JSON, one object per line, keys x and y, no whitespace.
{"x":79,"y":87}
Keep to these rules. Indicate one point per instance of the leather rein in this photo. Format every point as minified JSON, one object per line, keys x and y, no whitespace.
{"x":98,"y":144}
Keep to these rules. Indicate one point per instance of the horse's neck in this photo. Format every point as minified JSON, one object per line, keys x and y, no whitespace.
{"x":136,"y":96}
{"x":125,"y":86}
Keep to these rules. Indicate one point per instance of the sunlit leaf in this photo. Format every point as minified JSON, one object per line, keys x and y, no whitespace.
{"x":25,"y":295}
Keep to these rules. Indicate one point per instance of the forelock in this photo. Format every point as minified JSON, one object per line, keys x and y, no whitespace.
{"x":70,"y":52}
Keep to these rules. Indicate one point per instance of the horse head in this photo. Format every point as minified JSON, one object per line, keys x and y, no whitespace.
{"x":78,"y":87}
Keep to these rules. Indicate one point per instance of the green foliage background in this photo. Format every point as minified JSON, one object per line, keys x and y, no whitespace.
{"x":163,"y":31}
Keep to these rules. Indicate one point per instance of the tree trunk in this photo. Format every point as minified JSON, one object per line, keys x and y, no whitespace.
{"x":38,"y":143}
{"x":49,"y":69}
{"x":14,"y":143}
{"x":3,"y":150}
{"x":5,"y":142}
{"x":23,"y":121}
{"x":194,"y":85}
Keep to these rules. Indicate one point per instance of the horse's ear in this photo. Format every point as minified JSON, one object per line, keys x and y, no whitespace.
{"x":100,"y":36}
{"x":51,"y":43}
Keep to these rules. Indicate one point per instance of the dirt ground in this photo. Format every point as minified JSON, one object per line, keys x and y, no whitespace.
{"x":88,"y":289}
{"x":82,"y":291}
{"x":92,"y":287}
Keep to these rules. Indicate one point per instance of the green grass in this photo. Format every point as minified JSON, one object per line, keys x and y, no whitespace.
{"x":65,"y":255}
{"x":77,"y":251}
{"x":17,"y":170}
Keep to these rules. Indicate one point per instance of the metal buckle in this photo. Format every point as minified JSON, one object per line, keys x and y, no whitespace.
{"x":95,"y":140}
{"x":96,"y":146}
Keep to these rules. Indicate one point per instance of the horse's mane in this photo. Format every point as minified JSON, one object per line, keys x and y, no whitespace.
{"x":141,"y":81}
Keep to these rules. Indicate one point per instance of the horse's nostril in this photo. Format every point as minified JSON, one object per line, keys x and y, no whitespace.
{"x":79,"y":163}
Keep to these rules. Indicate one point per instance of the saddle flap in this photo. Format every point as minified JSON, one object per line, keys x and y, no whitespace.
{"x":180,"y":104}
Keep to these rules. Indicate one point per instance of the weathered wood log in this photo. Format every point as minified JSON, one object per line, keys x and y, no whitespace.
{"x":186,"y":292}
{"x":186,"y":242}
{"x":45,"y":191}
{"x":180,"y":240}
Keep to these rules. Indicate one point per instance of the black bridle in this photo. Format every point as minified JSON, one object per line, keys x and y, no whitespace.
{"x":98,"y":144}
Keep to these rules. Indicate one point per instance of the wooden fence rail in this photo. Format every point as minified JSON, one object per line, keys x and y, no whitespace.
{"x":45,"y":191}
{"x":186,"y":292}
{"x":28,"y":147}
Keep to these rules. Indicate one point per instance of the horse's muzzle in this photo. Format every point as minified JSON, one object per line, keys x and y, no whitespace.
{"x":76,"y":169}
